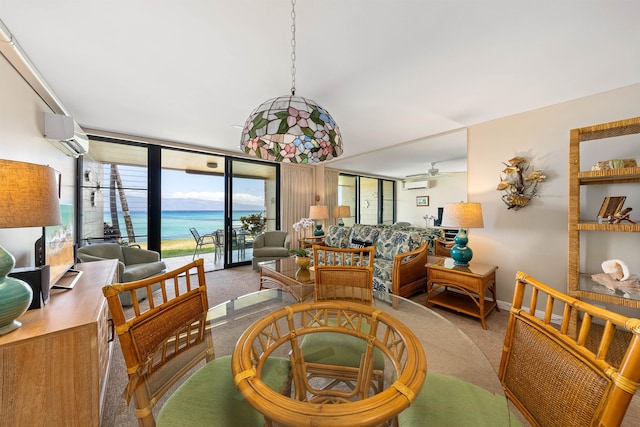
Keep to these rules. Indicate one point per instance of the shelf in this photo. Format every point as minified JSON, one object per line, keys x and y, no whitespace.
{"x":609,"y":176}
{"x":588,"y":285}
{"x":594,"y":226}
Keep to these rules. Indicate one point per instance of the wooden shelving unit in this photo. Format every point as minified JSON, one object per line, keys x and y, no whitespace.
{"x":580,"y":284}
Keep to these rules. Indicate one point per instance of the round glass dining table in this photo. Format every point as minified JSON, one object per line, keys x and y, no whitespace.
{"x":448,"y":350}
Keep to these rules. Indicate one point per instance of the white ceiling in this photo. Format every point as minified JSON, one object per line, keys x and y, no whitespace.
{"x":391,"y":73}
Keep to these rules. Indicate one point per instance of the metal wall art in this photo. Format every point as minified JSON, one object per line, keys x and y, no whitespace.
{"x":519,"y":186}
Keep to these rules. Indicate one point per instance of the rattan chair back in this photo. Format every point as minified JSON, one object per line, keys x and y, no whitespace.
{"x":167,"y":326}
{"x":344,"y":282}
{"x":281,"y":332}
{"x":442,"y":247}
{"x":579,"y":371}
{"x":327,"y":255}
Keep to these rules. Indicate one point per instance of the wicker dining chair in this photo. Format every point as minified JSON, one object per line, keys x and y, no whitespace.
{"x":344,"y":282}
{"x":580,"y":371}
{"x":341,"y":274}
{"x":166,"y":337}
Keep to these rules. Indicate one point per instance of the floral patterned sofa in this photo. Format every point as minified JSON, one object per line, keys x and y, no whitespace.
{"x":400,"y":253}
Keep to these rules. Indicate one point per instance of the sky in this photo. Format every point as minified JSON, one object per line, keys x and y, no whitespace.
{"x":181,"y":185}
{"x":183,"y":191}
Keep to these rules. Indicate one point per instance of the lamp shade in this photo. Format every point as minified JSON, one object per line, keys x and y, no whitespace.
{"x":291,"y":129}
{"x":462,"y":215}
{"x":318,"y":212}
{"x":341,"y":211}
{"x":28,"y":198}
{"x":28,"y":195}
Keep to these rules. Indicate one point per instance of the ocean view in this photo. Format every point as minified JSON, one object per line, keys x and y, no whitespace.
{"x":176,"y":224}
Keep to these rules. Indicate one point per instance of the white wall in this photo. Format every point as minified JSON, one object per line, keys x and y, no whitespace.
{"x":449,"y":189}
{"x":534,"y":239}
{"x":21,"y":138}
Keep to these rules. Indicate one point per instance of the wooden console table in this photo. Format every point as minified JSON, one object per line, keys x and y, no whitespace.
{"x":469,"y":287}
{"x":54,"y":367}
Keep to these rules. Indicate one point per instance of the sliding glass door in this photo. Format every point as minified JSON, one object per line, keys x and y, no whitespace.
{"x":252,"y":206}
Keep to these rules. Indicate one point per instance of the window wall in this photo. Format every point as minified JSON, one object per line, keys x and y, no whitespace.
{"x":371,"y":200}
{"x":163,"y":198}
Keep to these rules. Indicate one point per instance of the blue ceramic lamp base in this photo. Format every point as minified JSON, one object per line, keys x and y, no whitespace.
{"x":461,"y":253}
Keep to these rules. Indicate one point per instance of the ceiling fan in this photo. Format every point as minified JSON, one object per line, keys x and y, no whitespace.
{"x":432,"y":173}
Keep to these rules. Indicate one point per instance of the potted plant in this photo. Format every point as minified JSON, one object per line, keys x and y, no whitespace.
{"x":302,"y":257}
{"x":253,"y":223}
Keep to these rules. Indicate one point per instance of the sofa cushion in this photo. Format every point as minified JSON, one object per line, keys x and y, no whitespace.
{"x":142,"y":271}
{"x":337,"y":236}
{"x":209,"y":397}
{"x":103,"y":250}
{"x":392,"y":242}
{"x":360,"y":233}
{"x":271,"y":251}
{"x":382,"y":275}
{"x":275,"y":239}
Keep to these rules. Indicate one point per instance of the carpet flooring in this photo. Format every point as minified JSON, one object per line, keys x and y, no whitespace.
{"x":227,"y":284}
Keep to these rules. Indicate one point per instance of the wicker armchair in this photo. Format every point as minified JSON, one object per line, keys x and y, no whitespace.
{"x":409,"y":275}
{"x":583,"y":372}
{"x":442,"y":247}
{"x":165,"y":338}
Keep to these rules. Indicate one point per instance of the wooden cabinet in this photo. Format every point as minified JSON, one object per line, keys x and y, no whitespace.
{"x":54,"y":368}
{"x":580,"y":284}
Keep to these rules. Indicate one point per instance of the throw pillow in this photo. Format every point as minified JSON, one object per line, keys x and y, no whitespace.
{"x":355,"y":243}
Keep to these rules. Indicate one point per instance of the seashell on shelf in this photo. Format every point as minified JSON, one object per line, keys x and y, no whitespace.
{"x":617,"y":268}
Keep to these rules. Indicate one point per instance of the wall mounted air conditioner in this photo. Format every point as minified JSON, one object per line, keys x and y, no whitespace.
{"x":64,"y":133}
{"x":416,"y":185}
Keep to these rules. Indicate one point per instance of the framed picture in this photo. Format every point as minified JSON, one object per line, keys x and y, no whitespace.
{"x":422,"y":201}
{"x":611,"y":206}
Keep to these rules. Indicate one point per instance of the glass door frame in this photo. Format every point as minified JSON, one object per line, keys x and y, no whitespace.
{"x":228,"y":210}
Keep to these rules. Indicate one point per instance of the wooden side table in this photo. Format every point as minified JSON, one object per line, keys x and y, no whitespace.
{"x":308,"y":242}
{"x":462,"y":288}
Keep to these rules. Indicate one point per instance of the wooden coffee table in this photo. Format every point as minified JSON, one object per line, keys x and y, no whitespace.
{"x":286,"y":274}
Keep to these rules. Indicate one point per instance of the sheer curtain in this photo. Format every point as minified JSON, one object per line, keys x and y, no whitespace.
{"x":297,"y":190}
{"x":331,"y":192}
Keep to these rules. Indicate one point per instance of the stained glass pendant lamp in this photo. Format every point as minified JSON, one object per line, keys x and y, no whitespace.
{"x":291,"y":128}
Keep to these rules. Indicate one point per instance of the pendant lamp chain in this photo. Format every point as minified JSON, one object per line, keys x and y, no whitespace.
{"x":293,"y":47}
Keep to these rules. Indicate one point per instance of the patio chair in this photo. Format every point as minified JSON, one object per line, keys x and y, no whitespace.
{"x":167,"y":338}
{"x":203,"y":240}
{"x":582,"y":371}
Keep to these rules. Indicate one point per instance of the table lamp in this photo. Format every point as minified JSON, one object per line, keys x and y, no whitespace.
{"x":318,"y":212}
{"x":29,"y":198}
{"x":463,"y":216}
{"x":341,"y":211}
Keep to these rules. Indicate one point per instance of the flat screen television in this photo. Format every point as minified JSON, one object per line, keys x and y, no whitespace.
{"x":58,"y":248}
